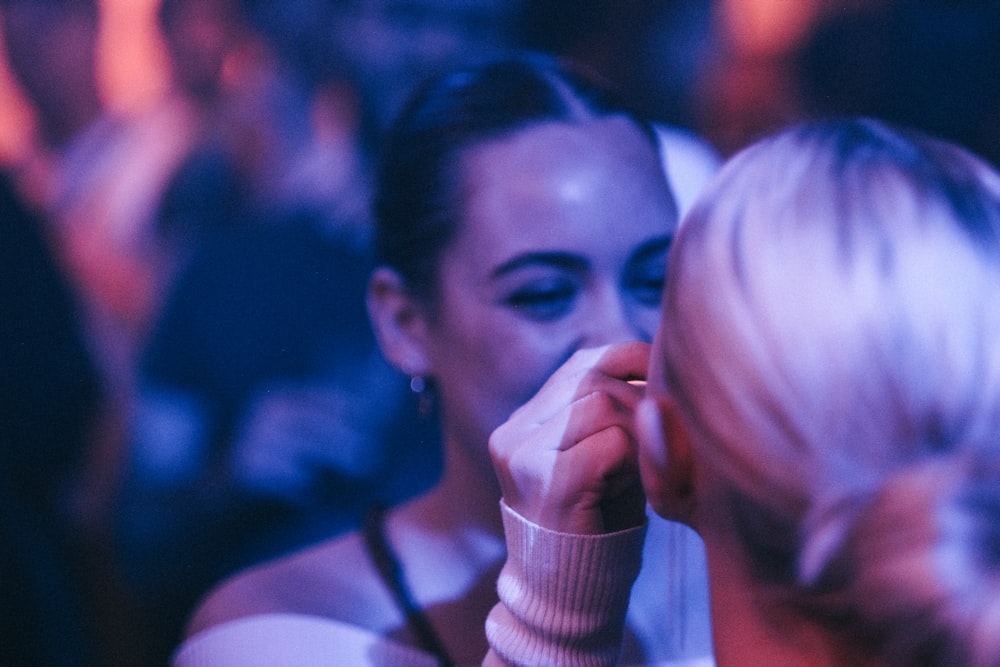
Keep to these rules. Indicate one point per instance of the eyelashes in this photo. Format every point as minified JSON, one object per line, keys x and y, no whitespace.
{"x":551,"y":299}
{"x":544,"y":301}
{"x":647,"y":290}
{"x":546,"y":287}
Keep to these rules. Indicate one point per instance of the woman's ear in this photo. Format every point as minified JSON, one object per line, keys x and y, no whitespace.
{"x":666,"y":458}
{"x":399,"y":322}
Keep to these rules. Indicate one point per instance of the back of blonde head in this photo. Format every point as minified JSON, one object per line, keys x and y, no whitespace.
{"x":832,"y":332}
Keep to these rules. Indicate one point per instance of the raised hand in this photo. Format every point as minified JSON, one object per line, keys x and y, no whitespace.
{"x":566,"y":460}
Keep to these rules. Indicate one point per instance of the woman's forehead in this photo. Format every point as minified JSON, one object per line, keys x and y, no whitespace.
{"x":546,"y":147}
{"x":560,"y":185}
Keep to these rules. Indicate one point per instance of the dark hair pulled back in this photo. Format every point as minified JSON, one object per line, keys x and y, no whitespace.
{"x":417,"y":198}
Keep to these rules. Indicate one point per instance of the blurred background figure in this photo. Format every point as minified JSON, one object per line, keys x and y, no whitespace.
{"x":50,"y":396}
{"x":391,"y":45}
{"x":927,"y":64}
{"x":95,"y":174}
{"x":68,"y":318}
{"x":50,"y":47}
{"x":931,"y":65}
{"x":266,"y":418}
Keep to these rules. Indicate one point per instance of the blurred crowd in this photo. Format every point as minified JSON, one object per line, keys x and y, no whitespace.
{"x":190,"y":383}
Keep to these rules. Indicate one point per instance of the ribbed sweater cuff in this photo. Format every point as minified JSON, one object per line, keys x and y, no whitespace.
{"x":563,"y":597}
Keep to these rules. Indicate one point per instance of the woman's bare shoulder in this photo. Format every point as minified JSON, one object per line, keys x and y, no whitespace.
{"x":333,"y":579}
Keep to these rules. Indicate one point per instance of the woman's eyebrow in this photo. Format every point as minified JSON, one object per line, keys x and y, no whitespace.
{"x":560,"y":260}
{"x":653,"y":247}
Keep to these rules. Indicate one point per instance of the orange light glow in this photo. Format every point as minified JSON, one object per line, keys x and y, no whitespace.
{"x":16,"y":121}
{"x":131,"y":65}
{"x":130,"y":59}
{"x":766,"y":28}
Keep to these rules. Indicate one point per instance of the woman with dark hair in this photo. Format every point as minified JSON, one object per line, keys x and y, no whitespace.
{"x":522,"y":215}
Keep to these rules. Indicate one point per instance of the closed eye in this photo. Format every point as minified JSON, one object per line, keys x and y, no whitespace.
{"x":647,"y":272}
{"x":543,"y":285}
{"x":543,"y":300}
{"x":647,"y":290}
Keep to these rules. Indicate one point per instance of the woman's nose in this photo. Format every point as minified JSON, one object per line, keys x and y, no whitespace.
{"x":609,"y":321}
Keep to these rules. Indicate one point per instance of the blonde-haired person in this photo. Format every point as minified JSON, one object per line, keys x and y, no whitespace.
{"x":823,"y":407}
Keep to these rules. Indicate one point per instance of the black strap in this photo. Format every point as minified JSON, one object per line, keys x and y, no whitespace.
{"x":391,"y":571}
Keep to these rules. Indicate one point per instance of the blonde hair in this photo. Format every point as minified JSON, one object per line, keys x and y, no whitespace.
{"x":832,"y":332}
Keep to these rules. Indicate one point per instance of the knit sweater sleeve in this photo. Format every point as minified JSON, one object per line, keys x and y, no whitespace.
{"x":563,"y":597}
